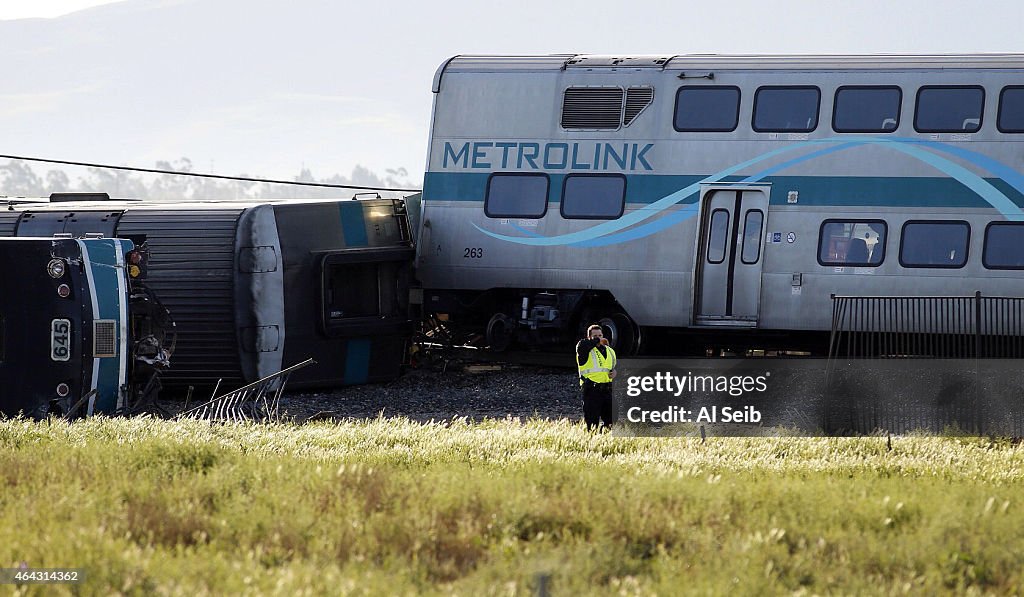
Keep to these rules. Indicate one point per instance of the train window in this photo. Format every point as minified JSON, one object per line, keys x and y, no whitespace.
{"x":1011,"y":110}
{"x":859,"y":243}
{"x":353,"y":290}
{"x":593,"y":196}
{"x":873,"y":109}
{"x":949,"y":109}
{"x":718,"y":236}
{"x":786,"y":109}
{"x":707,"y":109}
{"x":935,"y":243}
{"x":752,"y":236}
{"x":1004,"y":246}
{"x":516,"y":196}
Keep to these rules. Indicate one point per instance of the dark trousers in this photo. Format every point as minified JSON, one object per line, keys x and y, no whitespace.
{"x":597,"y":404}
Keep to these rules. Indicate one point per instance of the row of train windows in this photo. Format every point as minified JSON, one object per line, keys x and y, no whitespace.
{"x":584,"y":196}
{"x":858,"y":243}
{"x":857,"y":109}
{"x":931,"y":243}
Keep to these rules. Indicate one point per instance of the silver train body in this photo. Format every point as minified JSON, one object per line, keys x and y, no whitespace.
{"x":725,"y":196}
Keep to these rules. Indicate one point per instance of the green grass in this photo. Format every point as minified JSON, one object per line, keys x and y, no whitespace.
{"x":395,"y":507}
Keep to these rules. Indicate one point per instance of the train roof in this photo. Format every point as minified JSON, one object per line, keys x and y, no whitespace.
{"x":43,"y":203}
{"x":669,"y":62}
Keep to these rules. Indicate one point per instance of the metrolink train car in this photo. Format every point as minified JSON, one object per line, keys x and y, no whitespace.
{"x":70,"y":321}
{"x":257,"y":286}
{"x":724,"y":197}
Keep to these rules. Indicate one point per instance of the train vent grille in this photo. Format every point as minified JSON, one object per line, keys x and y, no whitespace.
{"x":104,"y":338}
{"x":637,"y":100}
{"x":592,"y":108}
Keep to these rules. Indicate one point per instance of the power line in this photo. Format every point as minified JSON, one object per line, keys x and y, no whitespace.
{"x":201,"y":175}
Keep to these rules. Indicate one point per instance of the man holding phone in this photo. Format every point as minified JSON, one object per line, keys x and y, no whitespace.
{"x":596,"y":362}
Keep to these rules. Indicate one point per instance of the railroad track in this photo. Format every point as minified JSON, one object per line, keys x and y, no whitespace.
{"x":470,"y":356}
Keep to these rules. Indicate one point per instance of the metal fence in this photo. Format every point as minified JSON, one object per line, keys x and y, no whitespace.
{"x":955,"y":327}
{"x":258,"y":401}
{"x":901,"y":364}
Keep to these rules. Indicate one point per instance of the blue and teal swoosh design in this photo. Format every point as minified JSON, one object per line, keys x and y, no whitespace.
{"x":654,"y":217}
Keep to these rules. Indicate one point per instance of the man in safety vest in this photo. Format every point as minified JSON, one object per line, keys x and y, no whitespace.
{"x":596,"y":361}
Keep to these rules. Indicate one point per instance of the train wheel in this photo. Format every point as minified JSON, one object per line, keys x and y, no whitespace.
{"x":500,"y":330}
{"x":622,"y":333}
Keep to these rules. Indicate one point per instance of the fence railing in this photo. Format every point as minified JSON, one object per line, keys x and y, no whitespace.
{"x":954,"y":327}
{"x":900,"y":363}
{"x":258,"y":401}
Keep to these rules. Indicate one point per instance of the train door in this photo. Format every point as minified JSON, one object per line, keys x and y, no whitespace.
{"x":730,"y":254}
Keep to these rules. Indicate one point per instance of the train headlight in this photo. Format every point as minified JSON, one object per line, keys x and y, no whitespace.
{"x":55,"y":268}
{"x":64,"y":291}
{"x":63,"y":389}
{"x":134,"y":271}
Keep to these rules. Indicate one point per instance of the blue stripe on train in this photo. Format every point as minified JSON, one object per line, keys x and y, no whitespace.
{"x":357,"y":361}
{"x":353,"y":224}
{"x":105,"y":270}
{"x":860,"y":191}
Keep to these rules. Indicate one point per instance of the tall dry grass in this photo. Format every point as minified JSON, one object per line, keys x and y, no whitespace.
{"x":390,"y":506}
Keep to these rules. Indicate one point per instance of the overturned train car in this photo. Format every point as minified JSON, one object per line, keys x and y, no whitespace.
{"x":79,"y":331}
{"x":254,"y":287}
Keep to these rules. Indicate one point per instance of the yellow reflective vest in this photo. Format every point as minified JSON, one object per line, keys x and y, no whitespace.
{"x":597,"y":367}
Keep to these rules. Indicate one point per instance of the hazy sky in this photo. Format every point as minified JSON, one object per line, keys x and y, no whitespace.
{"x":25,"y":9}
{"x":269,"y":86}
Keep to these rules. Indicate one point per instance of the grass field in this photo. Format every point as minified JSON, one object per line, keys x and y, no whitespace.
{"x":394,"y":507}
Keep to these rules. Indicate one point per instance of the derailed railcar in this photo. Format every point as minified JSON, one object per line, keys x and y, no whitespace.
{"x":72,"y":329}
{"x":257,"y":286}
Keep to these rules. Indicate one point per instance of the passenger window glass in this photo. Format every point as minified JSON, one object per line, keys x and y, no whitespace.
{"x":1011,"y":110}
{"x":866,"y":109}
{"x":718,"y":234}
{"x":752,"y":236}
{"x":593,"y":197}
{"x":934,"y":244}
{"x":1004,"y":246}
{"x":857,"y":243}
{"x":516,"y":196}
{"x":352,"y":290}
{"x":949,"y":109}
{"x":786,"y":109}
{"x":704,"y":109}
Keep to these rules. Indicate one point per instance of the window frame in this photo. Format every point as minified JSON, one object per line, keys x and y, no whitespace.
{"x":984,"y":248}
{"x":736,"y":120}
{"x":817,"y":110}
{"x":760,"y":238}
{"x":999,"y":111}
{"x":728,"y":221}
{"x":917,"y":109}
{"x":547,"y":194}
{"x":821,"y":237}
{"x":899,"y":108}
{"x":622,"y":206}
{"x":967,"y":244}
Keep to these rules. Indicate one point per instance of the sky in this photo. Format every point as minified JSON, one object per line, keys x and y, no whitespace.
{"x":268,"y":87}
{"x":22,"y":9}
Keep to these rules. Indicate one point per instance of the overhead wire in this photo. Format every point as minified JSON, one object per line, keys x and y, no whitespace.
{"x":204,"y":175}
